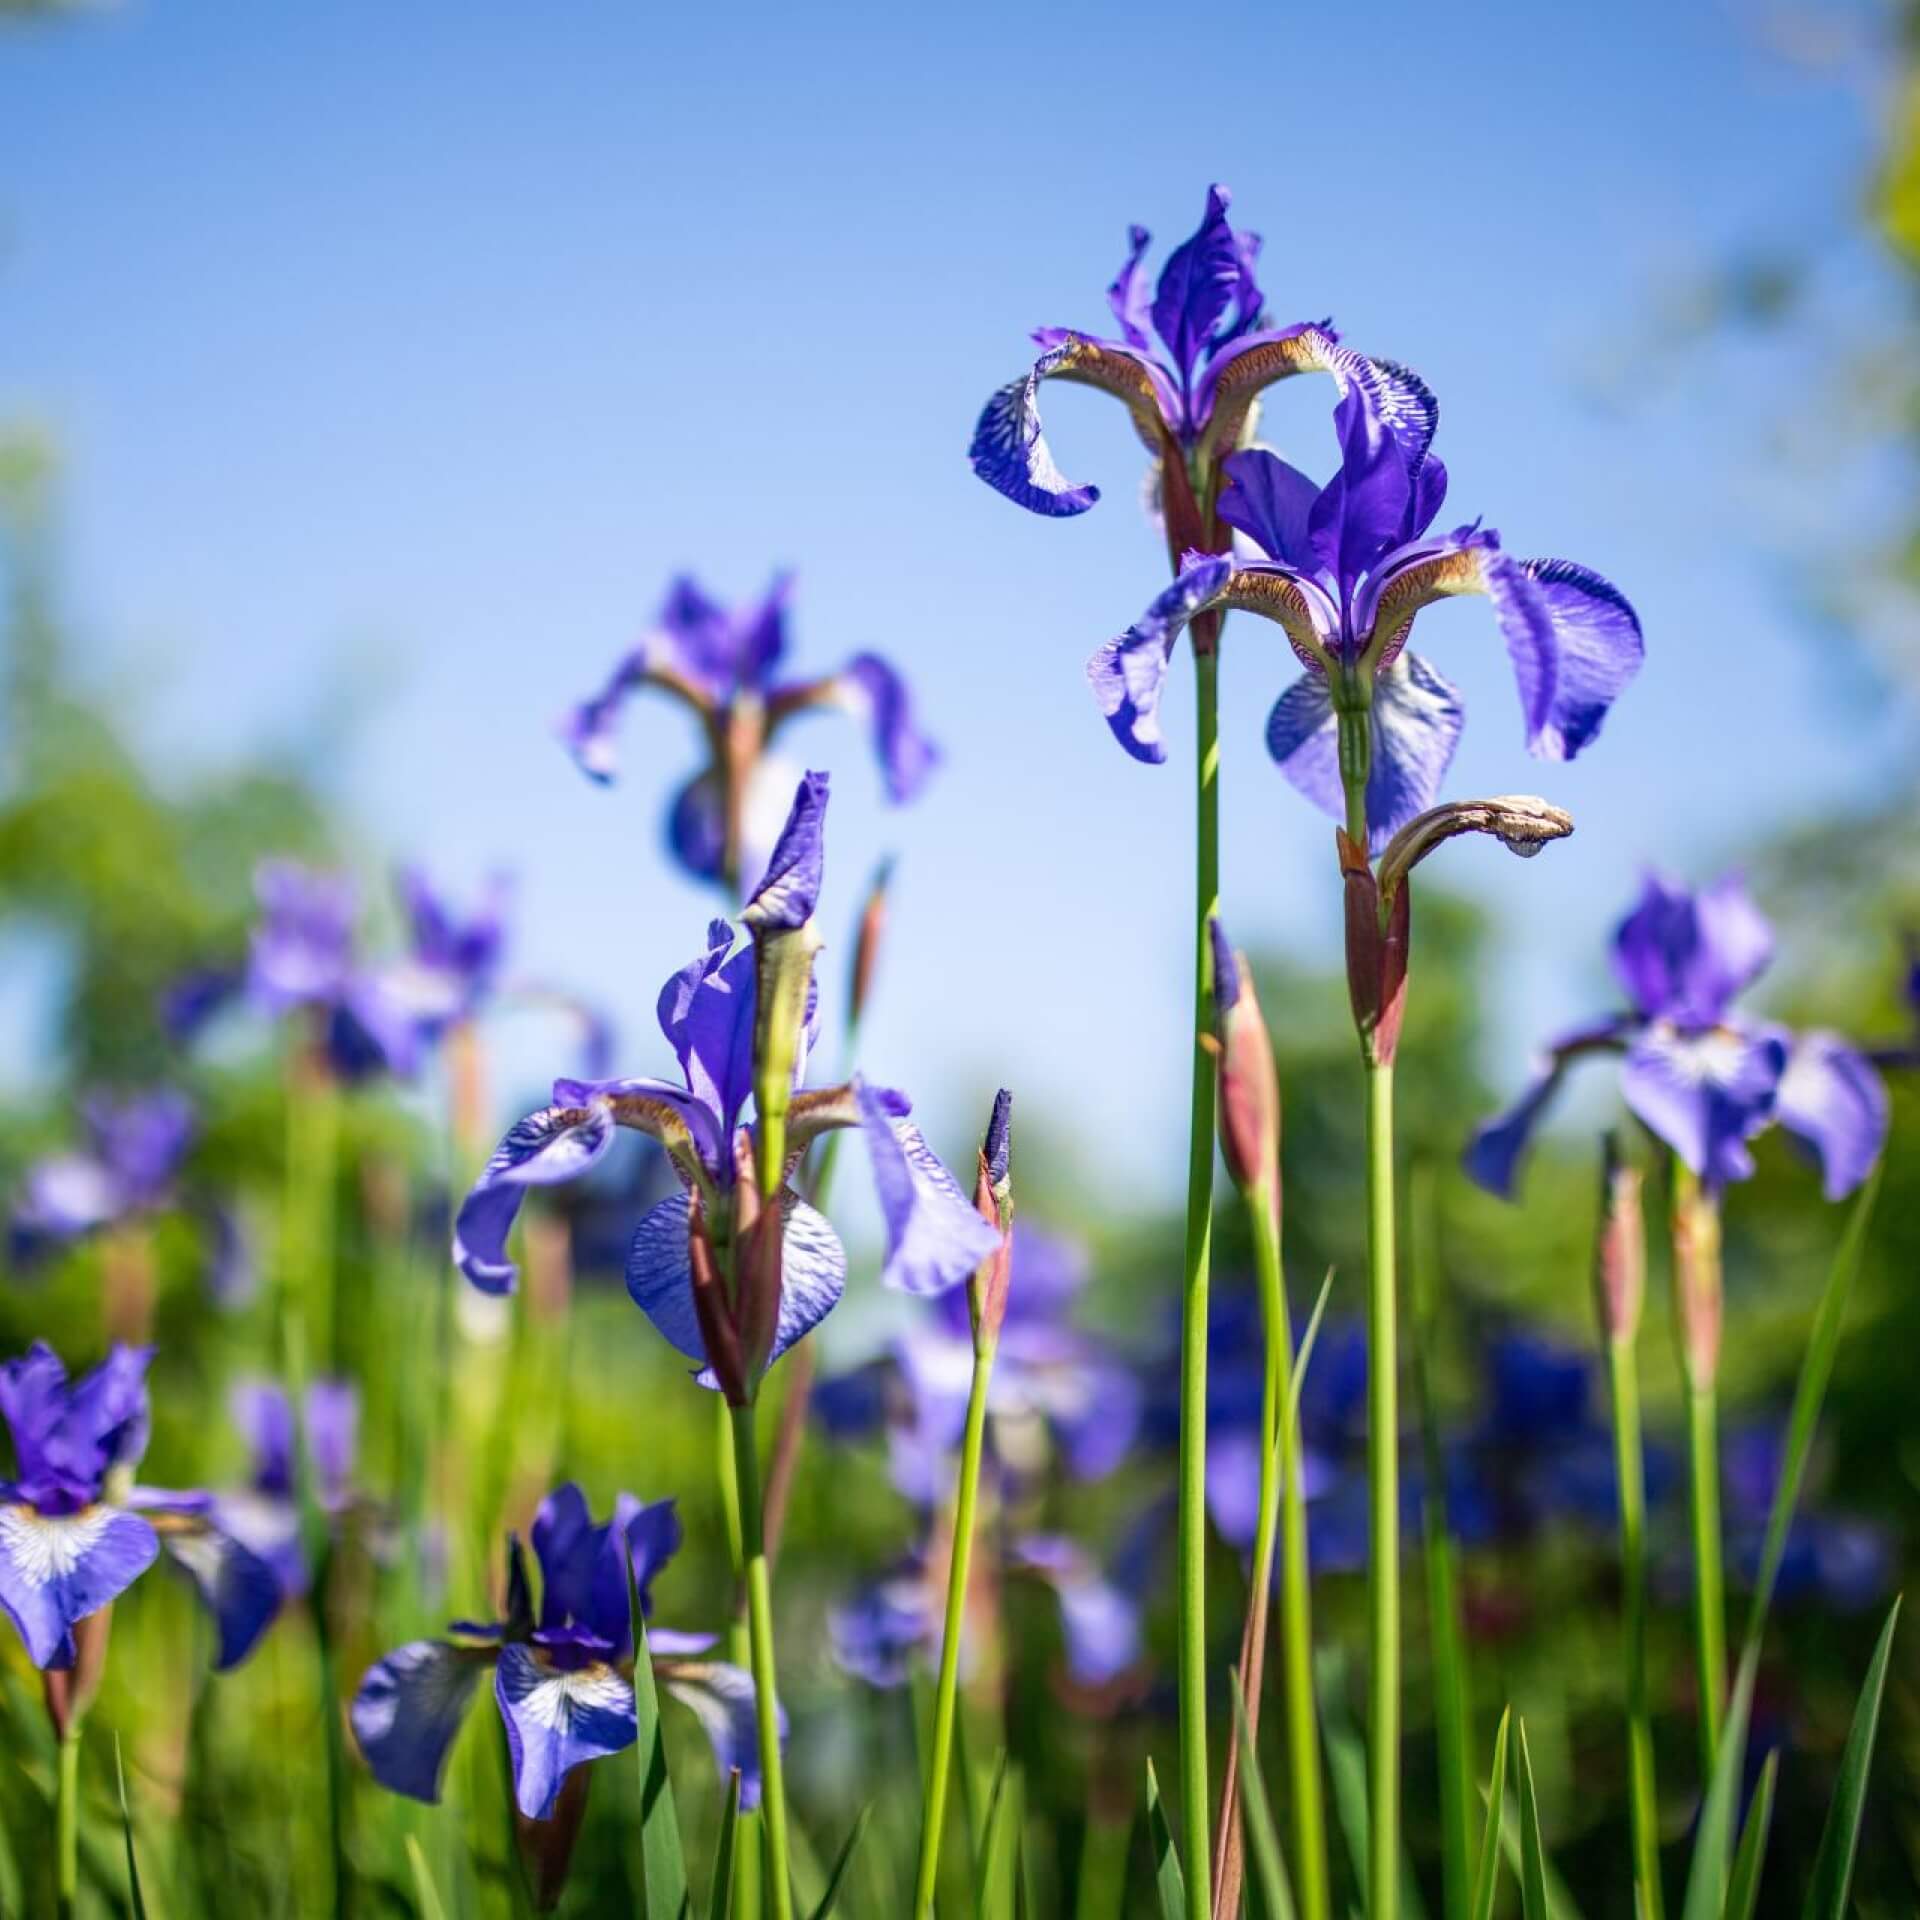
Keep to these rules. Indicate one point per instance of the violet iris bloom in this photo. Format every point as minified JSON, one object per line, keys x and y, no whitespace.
{"x":1345,"y":569}
{"x":1191,"y":398}
{"x":563,"y":1680}
{"x":725,"y":664}
{"x":452,"y":965}
{"x":1699,"y":1073}
{"x":1050,"y":1379}
{"x":934,"y":1238}
{"x":264,"y":1514}
{"x":75,"y":1532}
{"x":128,"y":1168}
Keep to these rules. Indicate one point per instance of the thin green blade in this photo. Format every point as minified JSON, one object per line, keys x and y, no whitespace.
{"x":841,"y":1864}
{"x":720,"y":1897}
{"x":426,"y":1895}
{"x":1533,"y":1856}
{"x":663,"y":1867}
{"x":1487,"y":1881}
{"x":1270,"y":1869}
{"x":1840,"y":1838}
{"x":992,"y":1898}
{"x":1752,"y":1857}
{"x":126,"y":1826}
{"x":1167,"y":1876}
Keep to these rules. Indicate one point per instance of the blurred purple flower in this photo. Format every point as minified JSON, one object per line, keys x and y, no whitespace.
{"x":563,"y":1679}
{"x":75,"y":1532}
{"x":264,"y":1513}
{"x":129,"y":1167}
{"x":1700,"y":1074}
{"x":724,"y":663}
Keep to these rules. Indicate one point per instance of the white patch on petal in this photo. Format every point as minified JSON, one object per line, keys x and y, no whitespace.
{"x":553,"y":1703}
{"x":44,"y":1548}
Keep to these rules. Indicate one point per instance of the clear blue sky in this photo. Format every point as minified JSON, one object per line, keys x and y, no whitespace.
{"x":413,"y":348}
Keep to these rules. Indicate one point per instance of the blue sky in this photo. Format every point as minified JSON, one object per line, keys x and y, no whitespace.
{"x":411,"y":350}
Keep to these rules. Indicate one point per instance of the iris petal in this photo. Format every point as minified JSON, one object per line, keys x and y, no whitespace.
{"x":56,"y":1569}
{"x":558,"y":1718}
{"x":1834,"y":1103}
{"x":1493,"y":1155}
{"x":1705,"y":1093}
{"x":1128,"y":673}
{"x":409,"y":1709}
{"x":547,"y":1148}
{"x":239,"y":1587}
{"x":934,"y":1237}
{"x":722,"y":1698}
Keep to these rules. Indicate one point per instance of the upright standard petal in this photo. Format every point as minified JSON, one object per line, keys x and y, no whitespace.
{"x":722,"y":1698}
{"x":790,"y":888}
{"x":1685,"y":955}
{"x":1270,"y":502}
{"x":1417,"y":719}
{"x":1128,"y":674}
{"x":1706,"y":1094}
{"x":697,"y":826}
{"x":1835,"y":1104}
{"x":547,"y":1148}
{"x":706,"y":1011}
{"x":558,"y":1717}
{"x":1130,"y":297}
{"x":56,"y":1569}
{"x":409,"y":1709}
{"x":935,"y":1239}
{"x":1199,"y":282}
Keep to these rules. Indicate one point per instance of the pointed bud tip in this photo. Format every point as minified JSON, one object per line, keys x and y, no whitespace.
{"x":1226,"y":968}
{"x":999,"y":1144}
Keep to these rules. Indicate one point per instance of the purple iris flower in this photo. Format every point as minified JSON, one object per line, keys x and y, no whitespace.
{"x":934,"y":1238}
{"x":135,"y":1148}
{"x":1191,"y":396}
{"x":75,"y":1532}
{"x":886,"y":1623}
{"x":1049,"y":1377}
{"x":1345,"y":569}
{"x":264,"y":1513}
{"x":1699,"y":1073}
{"x":725,"y":664}
{"x":563,"y":1679}
{"x":451,"y":966}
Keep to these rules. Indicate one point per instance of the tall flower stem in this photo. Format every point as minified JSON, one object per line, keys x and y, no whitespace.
{"x":1697,"y":1296}
{"x":1280,"y":1462}
{"x":1194,"y":1793}
{"x":946,"y":1697}
{"x":766,"y":1698}
{"x":1383,"y":1492}
{"x":66,"y":1841}
{"x":1623,"y":1375}
{"x":1378,"y":1029}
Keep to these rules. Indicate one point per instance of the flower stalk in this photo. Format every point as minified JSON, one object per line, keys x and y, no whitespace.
{"x":1619,"y":1291}
{"x":1697,"y":1295}
{"x":987,"y":1300}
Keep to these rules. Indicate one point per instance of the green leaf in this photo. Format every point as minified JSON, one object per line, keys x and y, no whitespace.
{"x":1707,"y":1875}
{"x":126,"y":1827}
{"x":1487,"y":1881}
{"x":1533,"y":1857}
{"x":1276,"y":1895}
{"x":1166,"y":1859}
{"x":426,"y":1896}
{"x":1752,"y":1856}
{"x":663,"y":1867}
{"x":991,"y":1896}
{"x":1305,"y":1354}
{"x":841,"y":1864}
{"x":1347,"y":1769}
{"x":720,"y":1897}
{"x":1840,"y":1838}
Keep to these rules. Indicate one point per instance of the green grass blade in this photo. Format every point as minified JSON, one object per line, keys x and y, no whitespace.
{"x":842,"y":1862}
{"x":1263,"y":1840}
{"x":1486,"y":1882}
{"x":1707,"y":1875}
{"x":1303,"y":1358}
{"x":1840,"y":1838}
{"x":1533,"y":1856}
{"x":426,"y":1896}
{"x":663,"y":1867}
{"x":137,"y":1899}
{"x":1347,"y":1770}
{"x":1167,"y":1876}
{"x":1752,"y":1857}
{"x":991,"y":1897}
{"x":720,"y":1897}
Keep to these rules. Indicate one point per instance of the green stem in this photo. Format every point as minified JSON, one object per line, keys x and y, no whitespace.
{"x":1194,"y":1793}
{"x":766,"y":1699}
{"x":1280,"y":1461}
{"x":66,"y":1846}
{"x":746,"y":1863}
{"x":1383,"y":1484}
{"x":959,"y":1565}
{"x":1709,"y":1580}
{"x":1623,"y":1374}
